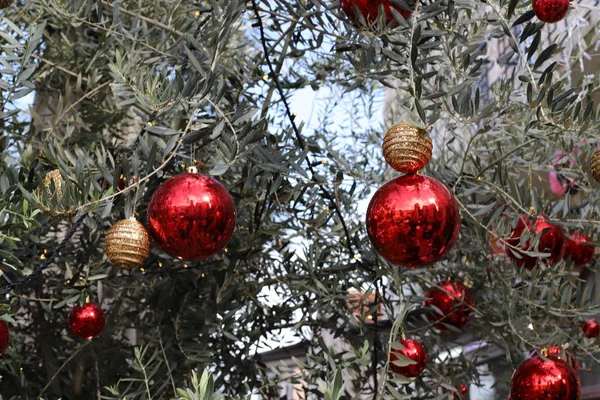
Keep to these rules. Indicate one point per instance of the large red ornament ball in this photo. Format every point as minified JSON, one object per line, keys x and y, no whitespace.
{"x":576,"y":249}
{"x":191,"y":216}
{"x":550,"y":10}
{"x":553,"y":379}
{"x":591,"y":329}
{"x":413,"y":350}
{"x":370,"y":8}
{"x":87,"y":321}
{"x":551,"y":239}
{"x":413,"y":221}
{"x":454,"y":301}
{"x":4,"y":336}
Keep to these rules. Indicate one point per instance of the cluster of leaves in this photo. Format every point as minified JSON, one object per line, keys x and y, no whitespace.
{"x":135,"y":91}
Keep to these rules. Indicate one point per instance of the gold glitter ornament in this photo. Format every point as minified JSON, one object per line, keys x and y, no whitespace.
{"x":5,"y":3}
{"x":127,"y":243}
{"x":53,"y":177}
{"x":407,"y":148}
{"x":595,"y":165}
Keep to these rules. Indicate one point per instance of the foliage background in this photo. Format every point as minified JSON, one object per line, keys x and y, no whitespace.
{"x":145,"y":88}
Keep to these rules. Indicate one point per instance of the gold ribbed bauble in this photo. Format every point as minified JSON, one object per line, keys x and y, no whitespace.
{"x":595,"y":165}
{"x":407,"y":148}
{"x":55,"y":177}
{"x":5,"y":3}
{"x":127,"y":243}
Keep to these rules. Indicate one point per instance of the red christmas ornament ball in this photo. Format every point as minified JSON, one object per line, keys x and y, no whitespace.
{"x":370,"y":8}
{"x":191,"y":216}
{"x":453,"y":300}
{"x":550,"y":11}
{"x":413,"y":350}
{"x":87,"y":321}
{"x":551,"y":240}
{"x":4,"y":336}
{"x":463,"y":391}
{"x":536,"y":378}
{"x":413,"y":221}
{"x":591,"y":329}
{"x":576,"y":249}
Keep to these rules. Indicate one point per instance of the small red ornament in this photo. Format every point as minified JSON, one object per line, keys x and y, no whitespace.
{"x":576,"y":249}
{"x":413,"y":350}
{"x":550,"y":11}
{"x":87,"y":321}
{"x":463,"y":391}
{"x":591,"y":329}
{"x":454,"y":301}
{"x":4,"y":336}
{"x":536,"y":378}
{"x":413,"y":221}
{"x":551,"y":239}
{"x":370,"y":8}
{"x":191,"y":216}
{"x":558,"y":352}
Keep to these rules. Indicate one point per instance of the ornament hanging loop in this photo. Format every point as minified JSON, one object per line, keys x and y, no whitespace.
{"x":192,"y":170}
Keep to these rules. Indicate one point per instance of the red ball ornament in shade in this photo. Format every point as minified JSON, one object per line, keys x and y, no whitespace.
{"x":559,"y":352}
{"x":370,"y":9}
{"x":577,"y":251}
{"x":4,"y":337}
{"x":87,"y":321}
{"x":413,"y":350}
{"x":413,"y":221}
{"x":454,"y":301}
{"x":464,"y":390}
{"x":591,"y":329}
{"x":551,"y":240}
{"x":550,"y":11}
{"x":191,"y":216}
{"x":537,"y":378}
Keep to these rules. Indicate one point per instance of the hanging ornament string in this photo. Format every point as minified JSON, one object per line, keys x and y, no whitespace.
{"x":10,"y":284}
{"x":299,"y":138}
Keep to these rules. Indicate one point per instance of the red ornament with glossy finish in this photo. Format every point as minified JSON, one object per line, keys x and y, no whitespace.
{"x":413,"y":221}
{"x":551,"y":240}
{"x":577,"y":251}
{"x":370,"y":8}
{"x":591,"y":329}
{"x":4,"y":337}
{"x":463,"y":391}
{"x":454,"y":301}
{"x":413,"y":350}
{"x":550,"y":11}
{"x":191,"y":216}
{"x":87,"y":321}
{"x":537,"y":379}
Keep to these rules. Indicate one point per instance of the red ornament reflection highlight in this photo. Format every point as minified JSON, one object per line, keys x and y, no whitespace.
{"x":87,"y":321}
{"x":413,"y":350}
{"x":550,"y":11}
{"x":463,"y":391}
{"x":591,"y":329}
{"x":370,"y":8}
{"x":454,"y":301}
{"x":577,"y":251}
{"x":536,"y":379}
{"x":191,"y":217}
{"x":551,"y":240}
{"x":413,"y":221}
{"x":4,"y":337}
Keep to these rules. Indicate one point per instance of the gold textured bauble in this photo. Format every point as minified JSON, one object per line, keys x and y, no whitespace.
{"x":55,"y":177}
{"x":5,"y":3}
{"x":407,"y":148}
{"x":595,"y":165}
{"x":127,"y":243}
